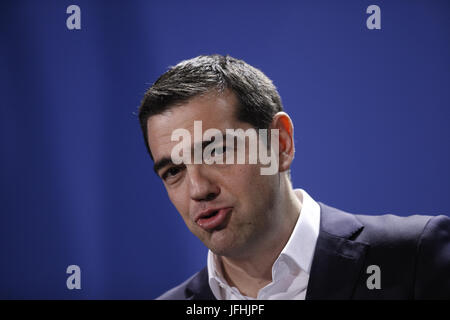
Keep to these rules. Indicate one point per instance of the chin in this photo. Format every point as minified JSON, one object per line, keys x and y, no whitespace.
{"x":222,"y":245}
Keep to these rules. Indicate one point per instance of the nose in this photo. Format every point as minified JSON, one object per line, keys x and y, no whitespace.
{"x":201,"y":186}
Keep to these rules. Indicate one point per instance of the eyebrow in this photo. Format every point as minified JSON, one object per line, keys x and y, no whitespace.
{"x":168,"y":160}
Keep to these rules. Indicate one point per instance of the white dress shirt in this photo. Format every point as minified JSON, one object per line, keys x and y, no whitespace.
{"x":290,"y":272}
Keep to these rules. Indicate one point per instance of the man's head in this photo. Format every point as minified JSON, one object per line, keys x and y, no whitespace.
{"x":223,"y":93}
{"x":258,"y":99}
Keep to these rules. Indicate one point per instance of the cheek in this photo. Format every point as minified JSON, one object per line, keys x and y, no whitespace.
{"x":252,"y":185}
{"x":179,"y":200}
{"x":250,"y":175}
{"x":246,"y":182}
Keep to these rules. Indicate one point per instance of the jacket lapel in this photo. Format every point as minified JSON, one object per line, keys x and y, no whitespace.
{"x":198,"y":288}
{"x":338,"y":259}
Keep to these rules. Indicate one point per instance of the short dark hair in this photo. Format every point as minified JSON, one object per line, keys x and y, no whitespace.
{"x":258,"y":98}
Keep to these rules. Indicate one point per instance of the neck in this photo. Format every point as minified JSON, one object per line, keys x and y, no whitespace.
{"x":253,"y":270}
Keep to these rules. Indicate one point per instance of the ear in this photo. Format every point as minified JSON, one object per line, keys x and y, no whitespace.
{"x":283,"y":123}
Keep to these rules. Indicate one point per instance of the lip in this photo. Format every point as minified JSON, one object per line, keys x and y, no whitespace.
{"x":208,"y":222}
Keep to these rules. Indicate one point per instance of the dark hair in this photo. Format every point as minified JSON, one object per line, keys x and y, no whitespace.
{"x":258,"y":98}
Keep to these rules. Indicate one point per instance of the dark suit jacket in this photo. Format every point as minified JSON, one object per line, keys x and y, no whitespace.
{"x":413,"y":254}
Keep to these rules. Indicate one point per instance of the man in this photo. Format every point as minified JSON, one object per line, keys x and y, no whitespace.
{"x":265,"y":239}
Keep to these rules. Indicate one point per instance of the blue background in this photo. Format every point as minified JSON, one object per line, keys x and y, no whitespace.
{"x":370,"y":109}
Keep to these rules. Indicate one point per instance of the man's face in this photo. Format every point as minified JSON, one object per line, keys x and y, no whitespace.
{"x":246,"y":198}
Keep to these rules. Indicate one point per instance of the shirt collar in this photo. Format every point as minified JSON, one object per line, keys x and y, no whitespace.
{"x":216,"y":281}
{"x":302,"y":243}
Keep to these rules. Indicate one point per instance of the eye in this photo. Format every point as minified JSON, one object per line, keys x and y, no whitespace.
{"x":171,"y":172}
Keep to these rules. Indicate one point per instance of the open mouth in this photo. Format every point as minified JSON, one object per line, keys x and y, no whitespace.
{"x":212,"y":214}
{"x":214,"y":219}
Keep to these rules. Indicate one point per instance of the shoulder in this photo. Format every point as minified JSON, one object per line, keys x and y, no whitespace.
{"x":380,"y":229}
{"x":194,"y":288}
{"x":414,"y":251}
{"x":388,"y":228}
{"x":178,"y":292}
{"x":420,"y":230}
{"x":417,"y":235}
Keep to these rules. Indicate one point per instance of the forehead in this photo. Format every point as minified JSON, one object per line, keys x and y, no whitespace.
{"x":215,"y":110}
